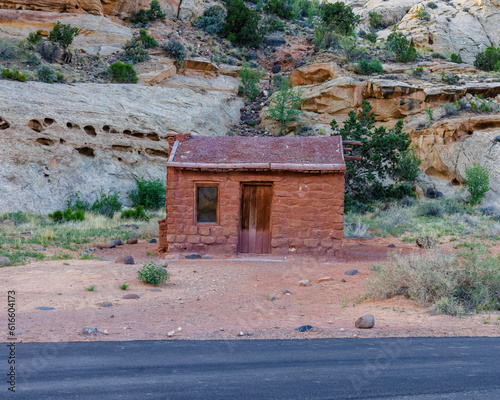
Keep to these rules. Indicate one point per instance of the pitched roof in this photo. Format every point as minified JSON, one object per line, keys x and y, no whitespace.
{"x":259,"y":153}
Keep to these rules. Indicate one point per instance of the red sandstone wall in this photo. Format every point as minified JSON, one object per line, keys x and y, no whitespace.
{"x":306,"y":216}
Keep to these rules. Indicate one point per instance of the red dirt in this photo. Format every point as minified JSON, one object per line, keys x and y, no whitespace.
{"x":216,"y":299}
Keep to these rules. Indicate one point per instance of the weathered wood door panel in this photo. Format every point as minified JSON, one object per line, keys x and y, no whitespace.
{"x":255,"y":229}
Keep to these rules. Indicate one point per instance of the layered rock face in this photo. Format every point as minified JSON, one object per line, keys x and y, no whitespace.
{"x":62,"y":139}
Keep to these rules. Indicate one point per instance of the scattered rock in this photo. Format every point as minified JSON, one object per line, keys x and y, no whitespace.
{"x":304,"y":328}
{"x":497,"y":138}
{"x":152,"y":241}
{"x":343,"y":280}
{"x":367,"y":321}
{"x":276,"y":69}
{"x":221,"y":329}
{"x":286,"y":291}
{"x":305,"y":282}
{"x":392,"y":245}
{"x":241,"y":333}
{"x":193,"y":256}
{"x":351,"y":272}
{"x":433,"y":194}
{"x":131,"y":296}
{"x":425,"y":242}
{"x":89,"y":330}
{"x":115,"y":243}
{"x":5,"y":261}
{"x":106,"y":332}
{"x":128,"y":260}
{"x":98,"y":247}
{"x":325,"y":279}
{"x":132,"y":241}
{"x":106,"y":304}
{"x":171,"y":333}
{"x":44,"y":308}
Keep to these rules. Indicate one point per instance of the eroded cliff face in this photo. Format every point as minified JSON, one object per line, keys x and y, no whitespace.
{"x":60,"y":139}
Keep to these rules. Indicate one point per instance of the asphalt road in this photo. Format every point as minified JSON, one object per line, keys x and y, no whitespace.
{"x":411,"y":368}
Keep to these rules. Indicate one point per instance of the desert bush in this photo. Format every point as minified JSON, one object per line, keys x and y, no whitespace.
{"x":454,"y":206}
{"x":76,"y":203}
{"x":418,"y":72}
{"x":153,"y":274}
{"x":149,"y":194}
{"x":272,"y":24}
{"x":242,"y":24}
{"x":147,"y":41}
{"x":340,"y":17}
{"x":34,"y":38}
{"x":63,"y":35}
{"x":212,"y":20}
{"x":432,"y":5}
{"x":7,"y":50}
{"x":48,"y":51}
{"x":456,"y":58}
{"x":385,"y":154}
{"x":325,"y":38}
{"x":477,"y":180}
{"x":176,"y":50}
{"x":47,"y":74}
{"x":350,"y":48}
{"x":407,"y":201}
{"x":488,"y":60}
{"x":154,"y":13}
{"x":67,"y":215}
{"x":285,"y":105}
{"x":399,"y":45}
{"x":122,"y":73}
{"x":432,"y":209}
{"x":135,"y":52}
{"x":137,"y":214}
{"x":435,"y":54}
{"x":376,"y":20}
{"x":281,"y":8}
{"x":395,"y":220}
{"x":274,"y":40}
{"x":371,"y":37}
{"x":471,"y":279}
{"x":423,"y":14}
{"x":306,"y":9}
{"x":355,"y":229}
{"x":107,"y":204}
{"x":17,"y":217}
{"x":372,"y":66}
{"x":249,"y":79}
{"x":14,"y":74}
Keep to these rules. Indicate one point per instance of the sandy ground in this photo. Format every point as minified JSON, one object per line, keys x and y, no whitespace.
{"x":218,"y":299}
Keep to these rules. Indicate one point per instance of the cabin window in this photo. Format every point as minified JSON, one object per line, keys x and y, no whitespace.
{"x":207,"y":203}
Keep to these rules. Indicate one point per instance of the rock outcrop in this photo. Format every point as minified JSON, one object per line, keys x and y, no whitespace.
{"x":61,"y":139}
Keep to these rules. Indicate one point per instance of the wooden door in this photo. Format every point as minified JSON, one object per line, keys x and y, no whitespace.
{"x":255,"y":228}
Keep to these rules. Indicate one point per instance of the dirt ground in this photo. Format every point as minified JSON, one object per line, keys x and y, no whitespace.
{"x":218,"y":299}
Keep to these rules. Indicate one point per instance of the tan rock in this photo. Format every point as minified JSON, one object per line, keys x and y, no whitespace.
{"x":315,"y":73}
{"x":325,"y":279}
{"x":156,"y":76}
{"x":200,"y":66}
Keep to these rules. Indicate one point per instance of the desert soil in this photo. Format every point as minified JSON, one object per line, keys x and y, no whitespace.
{"x":218,"y":299}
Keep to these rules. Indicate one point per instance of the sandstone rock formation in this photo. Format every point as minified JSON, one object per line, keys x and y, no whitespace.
{"x":84,"y":137}
{"x":315,"y":73}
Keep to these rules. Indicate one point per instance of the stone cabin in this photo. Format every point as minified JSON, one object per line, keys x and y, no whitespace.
{"x":260,"y":195}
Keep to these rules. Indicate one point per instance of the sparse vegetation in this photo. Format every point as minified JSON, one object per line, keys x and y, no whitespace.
{"x":124,"y":286}
{"x":153,"y":274}
{"x":122,"y":73}
{"x":376,"y":20}
{"x":149,"y":194}
{"x":249,"y":79}
{"x":213,"y":19}
{"x":285,"y":105}
{"x":144,"y":17}
{"x":136,"y":214}
{"x":401,"y":48}
{"x":372,"y":66}
{"x":47,"y":74}
{"x":63,"y":35}
{"x":477,"y":180}
{"x":281,"y":8}
{"x":488,"y":60}
{"x":91,"y":288}
{"x":107,"y":204}
{"x":177,"y":51}
{"x":242,"y":24}
{"x":147,"y":41}
{"x":456,"y":58}
{"x":13,"y":74}
{"x":135,"y":52}
{"x":340,"y":17}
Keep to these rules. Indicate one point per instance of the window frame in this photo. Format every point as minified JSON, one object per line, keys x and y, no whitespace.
{"x":217,"y":210}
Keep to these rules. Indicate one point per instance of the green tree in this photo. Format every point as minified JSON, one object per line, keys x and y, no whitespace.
{"x":242,"y":24}
{"x":285,"y":104}
{"x":385,"y":155}
{"x":64,"y":35}
{"x":402,"y":49}
{"x":340,"y":17}
{"x":149,"y":194}
{"x":488,"y":60}
{"x":477,"y":180}
{"x":249,"y":79}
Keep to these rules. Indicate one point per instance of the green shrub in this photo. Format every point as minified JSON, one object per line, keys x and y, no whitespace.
{"x":350,"y":48}
{"x":423,"y":14}
{"x":123,"y":286}
{"x":272,"y":24}
{"x":454,"y":206}
{"x":488,"y":60}
{"x":122,"y":73}
{"x":371,"y":37}
{"x":18,"y":217}
{"x":249,"y":79}
{"x":340,"y":17}
{"x":242,"y":24}
{"x":63,"y":34}
{"x":34,"y":38}
{"x":107,"y":204}
{"x":67,"y":215}
{"x":14,"y":74}
{"x":281,"y":8}
{"x":432,"y":209}
{"x":432,"y":5}
{"x":305,"y":9}
{"x":147,"y":41}
{"x":469,"y":281}
{"x":154,"y":13}
{"x":456,"y":58}
{"x":47,"y":74}
{"x":477,"y":180}
{"x":212,"y":21}
{"x":137,"y":214}
{"x":153,"y":274}
{"x":376,"y":20}
{"x":7,"y":50}
{"x":48,"y":51}
{"x":418,"y":72}
{"x":385,"y":155}
{"x":399,"y":45}
{"x":135,"y":52}
{"x":429,"y":113}
{"x":372,"y":66}
{"x":435,"y":54}
{"x":149,"y":194}
{"x":285,"y":105}
{"x":176,"y":50}
{"x":325,"y":38}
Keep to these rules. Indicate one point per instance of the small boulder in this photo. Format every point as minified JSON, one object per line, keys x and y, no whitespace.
{"x":171,"y":333}
{"x":351,"y":272}
{"x":115,"y":243}
{"x":325,"y":279}
{"x":497,"y":138}
{"x":106,"y":304}
{"x":276,"y":69}
{"x":89,"y":330}
{"x":41,"y":249}
{"x":152,"y":241}
{"x":98,"y":247}
{"x":5,"y":261}
{"x":130,"y":296}
{"x":286,"y":291}
{"x":128,"y":260}
{"x":304,"y":282}
{"x":367,"y":321}
{"x":193,"y":256}
{"x":304,"y":328}
{"x":392,"y":245}
{"x":132,"y":241}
